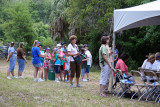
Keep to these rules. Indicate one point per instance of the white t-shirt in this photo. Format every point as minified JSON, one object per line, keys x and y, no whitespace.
{"x":156,"y":65}
{"x":73,"y":50}
{"x":144,"y":64}
{"x":67,"y":63}
{"x":89,"y":57}
{"x":149,"y":66}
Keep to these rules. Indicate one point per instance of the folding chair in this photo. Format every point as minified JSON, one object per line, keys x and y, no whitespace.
{"x":152,"y":88}
{"x":136,"y":73}
{"x":118,"y":77}
{"x":158,"y":92}
{"x":124,"y":86}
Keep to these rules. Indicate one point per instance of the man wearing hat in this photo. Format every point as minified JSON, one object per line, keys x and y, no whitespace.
{"x":156,"y":64}
{"x":89,"y":61}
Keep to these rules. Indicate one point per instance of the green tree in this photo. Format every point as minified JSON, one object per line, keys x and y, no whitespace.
{"x":19,"y":25}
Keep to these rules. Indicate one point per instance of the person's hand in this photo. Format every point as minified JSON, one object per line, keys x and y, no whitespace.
{"x":45,"y":55}
{"x":7,"y":60}
{"x":78,"y":53}
{"x":111,"y":66}
{"x":26,"y":61}
{"x":111,"y":52}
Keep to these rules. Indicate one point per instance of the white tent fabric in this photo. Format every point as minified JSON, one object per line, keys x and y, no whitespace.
{"x":142,"y":15}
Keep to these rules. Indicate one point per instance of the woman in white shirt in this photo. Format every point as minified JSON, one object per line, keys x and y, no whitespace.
{"x":73,"y":52}
{"x":149,"y":66}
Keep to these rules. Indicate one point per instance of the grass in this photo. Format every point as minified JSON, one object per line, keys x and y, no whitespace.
{"x":25,"y":92}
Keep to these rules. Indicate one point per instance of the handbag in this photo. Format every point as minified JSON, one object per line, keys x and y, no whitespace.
{"x":77,"y":58}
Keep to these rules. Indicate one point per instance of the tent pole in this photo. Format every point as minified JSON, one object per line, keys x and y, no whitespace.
{"x":113,"y":49}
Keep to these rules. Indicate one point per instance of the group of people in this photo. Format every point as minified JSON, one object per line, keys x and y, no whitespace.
{"x":65,"y":66}
{"x":151,"y":63}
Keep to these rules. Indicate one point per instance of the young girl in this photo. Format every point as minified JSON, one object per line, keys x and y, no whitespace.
{"x":84,"y":64}
{"x":67,"y":67}
{"x":57,"y":65}
{"x":46,"y":64}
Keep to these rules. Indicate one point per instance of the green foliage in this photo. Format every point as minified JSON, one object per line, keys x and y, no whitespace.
{"x":51,"y":21}
{"x":42,"y":29}
{"x":46,"y":41}
{"x":18,"y":25}
{"x":40,"y":10}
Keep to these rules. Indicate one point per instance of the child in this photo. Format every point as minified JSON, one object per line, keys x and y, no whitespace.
{"x":47,"y":64}
{"x":67,"y":67}
{"x":84,"y":64}
{"x":57,"y":65}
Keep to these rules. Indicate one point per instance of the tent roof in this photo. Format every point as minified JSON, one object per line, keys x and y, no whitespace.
{"x":142,"y":15}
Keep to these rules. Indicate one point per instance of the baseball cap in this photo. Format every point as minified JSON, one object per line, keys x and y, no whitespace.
{"x":47,"y":48}
{"x":58,"y":45}
{"x":85,"y":45}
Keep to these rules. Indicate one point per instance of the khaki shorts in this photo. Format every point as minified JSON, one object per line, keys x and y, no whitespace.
{"x":105,"y":74}
{"x":75,"y":68}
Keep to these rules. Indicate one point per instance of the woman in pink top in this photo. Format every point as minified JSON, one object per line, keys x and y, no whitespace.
{"x":121,"y":63}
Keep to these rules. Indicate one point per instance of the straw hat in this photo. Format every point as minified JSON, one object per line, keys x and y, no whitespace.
{"x":151,"y":57}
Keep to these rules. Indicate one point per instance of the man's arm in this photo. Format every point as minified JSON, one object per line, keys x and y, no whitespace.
{"x":105,"y":59}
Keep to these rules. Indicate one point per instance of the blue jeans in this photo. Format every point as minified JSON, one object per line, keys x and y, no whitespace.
{"x":83,"y":71}
{"x":12,"y":65}
{"x":21,"y":64}
{"x":88,"y":68}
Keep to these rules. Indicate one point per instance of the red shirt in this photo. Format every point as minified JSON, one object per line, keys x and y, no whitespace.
{"x":122,"y":66}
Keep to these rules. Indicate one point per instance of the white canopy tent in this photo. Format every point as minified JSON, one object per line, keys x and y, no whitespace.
{"x":142,"y":15}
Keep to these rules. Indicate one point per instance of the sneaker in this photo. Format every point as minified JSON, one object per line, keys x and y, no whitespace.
{"x":57,"y":81}
{"x":66,"y":81}
{"x":9,"y":78}
{"x":14,"y":77}
{"x":20,"y":77}
{"x":40,"y":80}
{"x":88,"y":80}
{"x":78,"y":85}
{"x":72,"y":86}
{"x":35,"y":80}
{"x":84,"y":80}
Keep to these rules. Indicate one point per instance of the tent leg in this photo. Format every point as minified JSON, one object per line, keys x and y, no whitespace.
{"x":113,"y":48}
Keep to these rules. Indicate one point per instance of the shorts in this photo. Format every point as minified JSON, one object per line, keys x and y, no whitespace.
{"x":12,"y":65}
{"x":88,"y":68}
{"x":105,"y":74}
{"x":37,"y":65}
{"x":57,"y":69}
{"x":46,"y":65}
{"x":61,"y":66}
{"x":83,"y":71}
{"x":21,"y":64}
{"x":75,"y":68}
